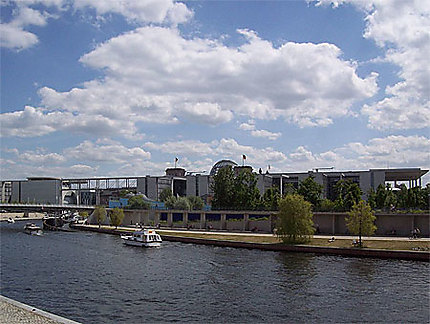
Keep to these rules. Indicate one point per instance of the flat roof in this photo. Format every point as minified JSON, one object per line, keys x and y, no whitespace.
{"x":402,"y":174}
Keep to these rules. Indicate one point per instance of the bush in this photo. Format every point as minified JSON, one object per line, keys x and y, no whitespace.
{"x":295,"y":224}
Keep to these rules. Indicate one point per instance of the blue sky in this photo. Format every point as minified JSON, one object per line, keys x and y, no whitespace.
{"x":121,"y":88}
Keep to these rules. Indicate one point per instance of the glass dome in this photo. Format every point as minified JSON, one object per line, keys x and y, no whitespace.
{"x":221,"y":164}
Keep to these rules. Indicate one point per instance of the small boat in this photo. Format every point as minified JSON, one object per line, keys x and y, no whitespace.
{"x":32,"y":229}
{"x":10,"y":220}
{"x":144,"y":238}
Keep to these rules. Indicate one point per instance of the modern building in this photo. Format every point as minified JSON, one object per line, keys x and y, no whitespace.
{"x":94,"y":191}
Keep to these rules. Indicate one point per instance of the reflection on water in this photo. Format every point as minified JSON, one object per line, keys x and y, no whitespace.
{"x":94,"y":278}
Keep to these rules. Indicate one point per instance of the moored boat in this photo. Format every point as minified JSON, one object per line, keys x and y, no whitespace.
{"x":32,"y":229}
{"x":10,"y":220}
{"x":144,"y":238}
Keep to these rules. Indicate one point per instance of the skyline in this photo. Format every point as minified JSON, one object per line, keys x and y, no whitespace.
{"x":123,"y":88}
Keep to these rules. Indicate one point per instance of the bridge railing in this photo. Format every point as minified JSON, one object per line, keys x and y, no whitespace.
{"x":67,"y":206}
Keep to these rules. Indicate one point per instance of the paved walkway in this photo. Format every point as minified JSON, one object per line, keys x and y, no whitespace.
{"x":216,"y":232}
{"x":14,"y":312}
{"x":20,"y":216}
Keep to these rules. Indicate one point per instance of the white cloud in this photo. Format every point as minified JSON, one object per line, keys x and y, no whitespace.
{"x":14,"y":35}
{"x":250,"y":126}
{"x":106,"y":153}
{"x":142,"y":11}
{"x":402,"y":29}
{"x":390,"y":151}
{"x":32,"y":122}
{"x":154,"y":71}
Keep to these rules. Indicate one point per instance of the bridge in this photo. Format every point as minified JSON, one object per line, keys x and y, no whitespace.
{"x":19,"y":208}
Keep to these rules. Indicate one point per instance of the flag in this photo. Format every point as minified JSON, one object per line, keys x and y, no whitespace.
{"x":176,"y":159}
{"x":244,"y":156}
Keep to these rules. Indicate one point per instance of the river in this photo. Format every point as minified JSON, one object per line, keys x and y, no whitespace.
{"x":94,"y":278}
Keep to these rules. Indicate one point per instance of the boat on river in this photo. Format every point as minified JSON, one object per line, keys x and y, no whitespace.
{"x":143,"y":238}
{"x":10,"y":220}
{"x":32,"y":229}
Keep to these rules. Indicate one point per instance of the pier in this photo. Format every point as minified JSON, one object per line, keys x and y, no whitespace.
{"x":12,"y":311}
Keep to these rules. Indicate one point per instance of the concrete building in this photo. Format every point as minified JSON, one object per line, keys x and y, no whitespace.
{"x":43,"y":190}
{"x":95,"y":191}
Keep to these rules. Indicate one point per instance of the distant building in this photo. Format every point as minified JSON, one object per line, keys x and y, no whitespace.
{"x":95,"y":191}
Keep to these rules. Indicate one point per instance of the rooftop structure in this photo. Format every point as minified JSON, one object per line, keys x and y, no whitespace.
{"x":95,"y":191}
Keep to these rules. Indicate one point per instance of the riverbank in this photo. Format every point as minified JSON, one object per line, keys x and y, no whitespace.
{"x":12,"y":311}
{"x":21,"y":216}
{"x":387,"y":247}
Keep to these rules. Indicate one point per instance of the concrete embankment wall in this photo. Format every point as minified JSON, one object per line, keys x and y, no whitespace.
{"x":328,"y":223}
{"x":352,"y":252}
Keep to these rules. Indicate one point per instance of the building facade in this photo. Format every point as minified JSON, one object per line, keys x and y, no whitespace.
{"x":95,"y":191}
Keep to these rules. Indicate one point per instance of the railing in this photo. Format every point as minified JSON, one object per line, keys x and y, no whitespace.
{"x":67,"y":206}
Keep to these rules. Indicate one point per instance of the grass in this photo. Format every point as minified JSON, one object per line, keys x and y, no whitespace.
{"x":389,"y":244}
{"x":340,"y":243}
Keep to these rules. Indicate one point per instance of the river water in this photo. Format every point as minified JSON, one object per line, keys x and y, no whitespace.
{"x":94,"y":278}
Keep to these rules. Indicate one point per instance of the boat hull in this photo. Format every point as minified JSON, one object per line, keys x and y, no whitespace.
{"x":33,"y":232}
{"x":141,"y":244}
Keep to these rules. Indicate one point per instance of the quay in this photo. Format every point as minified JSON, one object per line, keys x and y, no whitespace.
{"x":170,"y":235}
{"x":14,"y":312}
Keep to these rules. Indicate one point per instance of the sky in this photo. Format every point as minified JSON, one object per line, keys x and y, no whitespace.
{"x":123,"y":87}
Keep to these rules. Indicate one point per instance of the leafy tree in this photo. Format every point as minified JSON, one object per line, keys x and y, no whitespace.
{"x":83,"y":214}
{"x":116,"y":217}
{"x":311,"y":191}
{"x":124,"y":193}
{"x":402,"y":197}
{"x":165,"y":194}
{"x":196,"y":203}
{"x":390,"y":200}
{"x":327,"y":205}
{"x":380,"y":196}
{"x":271,"y":199}
{"x":294,"y":224}
{"x":289,"y":189}
{"x":223,"y":188}
{"x":361,"y":220}
{"x":170,"y":202}
{"x":348,"y":194}
{"x":371,"y":198}
{"x":179,"y":203}
{"x":100,"y":214}
{"x":246,"y":195}
{"x":182,"y":203}
{"x":137,"y":202}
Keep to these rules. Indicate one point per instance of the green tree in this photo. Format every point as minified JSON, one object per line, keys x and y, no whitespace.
{"x":402,"y":197}
{"x":361,"y":220}
{"x":137,"y":202}
{"x":311,"y":191}
{"x":170,"y":202}
{"x":246,"y":195}
{"x":271,"y":199}
{"x":116,"y":217}
{"x":327,"y":205}
{"x":294,"y":224}
{"x":371,"y":198}
{"x":100,"y":214}
{"x":223,"y":188}
{"x":380,"y":196}
{"x":348,"y":194}
{"x":182,"y":203}
{"x":83,"y":214}
{"x":124,"y":193}
{"x":165,"y":194}
{"x":196,"y":203}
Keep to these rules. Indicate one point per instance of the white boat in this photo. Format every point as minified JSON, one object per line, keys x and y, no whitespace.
{"x":32,"y":229}
{"x":145,"y":238}
{"x":10,"y":220}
